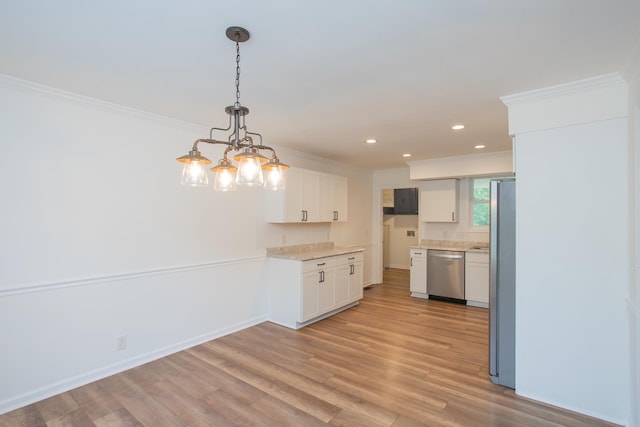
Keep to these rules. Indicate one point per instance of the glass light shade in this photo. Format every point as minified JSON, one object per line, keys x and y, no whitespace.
{"x":225,"y":176}
{"x":194,"y":174}
{"x":250,"y":168}
{"x":274,"y":175}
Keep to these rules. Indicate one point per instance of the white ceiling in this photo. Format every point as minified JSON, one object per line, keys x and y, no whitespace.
{"x":322,"y":76}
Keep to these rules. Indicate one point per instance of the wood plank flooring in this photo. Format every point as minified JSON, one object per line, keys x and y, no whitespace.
{"x":391,"y":361}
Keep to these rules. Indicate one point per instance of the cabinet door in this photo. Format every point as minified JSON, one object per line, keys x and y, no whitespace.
{"x":355,"y":280}
{"x":418,"y":272}
{"x":405,"y":201}
{"x":340,"y":198}
{"x":310,"y":195}
{"x":310,"y":305}
{"x":293,"y":196}
{"x":326,"y":290}
{"x":326,"y":197}
{"x":301,"y":196}
{"x":476,"y":282}
{"x":439,"y":201}
{"x":342,"y":285}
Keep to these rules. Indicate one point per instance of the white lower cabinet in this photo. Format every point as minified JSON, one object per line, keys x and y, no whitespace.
{"x":476,"y":279}
{"x":318,"y":287}
{"x":302,"y":292}
{"x":341,"y":290}
{"x":350,"y":267}
{"x":418,"y":273}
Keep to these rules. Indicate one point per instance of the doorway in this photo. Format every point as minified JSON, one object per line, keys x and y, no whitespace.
{"x":399,"y":233}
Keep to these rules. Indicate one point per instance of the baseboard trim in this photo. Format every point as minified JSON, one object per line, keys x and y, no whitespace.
{"x":399,"y":266}
{"x":478,"y":304}
{"x":570,"y":408}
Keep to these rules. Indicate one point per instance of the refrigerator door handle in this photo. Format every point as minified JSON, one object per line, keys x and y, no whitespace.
{"x":493,"y":281}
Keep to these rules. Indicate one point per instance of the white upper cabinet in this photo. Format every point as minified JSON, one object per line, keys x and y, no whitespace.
{"x":291,"y":199}
{"x":309,"y":196}
{"x":326,"y":197}
{"x":310,"y":202}
{"x":340,"y":192}
{"x":439,"y":201}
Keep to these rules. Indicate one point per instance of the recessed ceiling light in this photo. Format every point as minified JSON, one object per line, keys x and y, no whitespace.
{"x":479,"y":146}
{"x":371,"y":141}
{"x":457,"y":127}
{"x":406,"y":155}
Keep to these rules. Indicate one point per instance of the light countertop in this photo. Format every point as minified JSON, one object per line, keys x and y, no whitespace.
{"x":310,"y":251}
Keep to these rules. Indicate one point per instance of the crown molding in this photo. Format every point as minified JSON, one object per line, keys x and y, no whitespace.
{"x":563,"y":89}
{"x":10,"y":81}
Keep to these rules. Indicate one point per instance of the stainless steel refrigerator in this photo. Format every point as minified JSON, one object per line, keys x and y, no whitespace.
{"x":502,"y":282}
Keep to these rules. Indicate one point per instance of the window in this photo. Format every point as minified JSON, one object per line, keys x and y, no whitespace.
{"x":480,"y":202}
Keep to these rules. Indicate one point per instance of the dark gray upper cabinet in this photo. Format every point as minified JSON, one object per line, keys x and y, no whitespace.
{"x":405,"y":201}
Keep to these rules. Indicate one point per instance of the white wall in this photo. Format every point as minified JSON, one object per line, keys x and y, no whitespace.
{"x":99,"y":240}
{"x":573,"y":227}
{"x":633,"y":77}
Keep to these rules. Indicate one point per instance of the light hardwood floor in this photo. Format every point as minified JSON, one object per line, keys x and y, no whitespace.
{"x":391,"y":361}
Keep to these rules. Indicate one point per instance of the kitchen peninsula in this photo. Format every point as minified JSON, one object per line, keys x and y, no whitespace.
{"x":308,"y":283}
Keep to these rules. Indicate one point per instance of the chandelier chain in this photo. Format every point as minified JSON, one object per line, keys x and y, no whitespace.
{"x":237,"y":72}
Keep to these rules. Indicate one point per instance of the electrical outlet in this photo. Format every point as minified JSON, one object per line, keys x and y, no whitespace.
{"x":121,"y":342}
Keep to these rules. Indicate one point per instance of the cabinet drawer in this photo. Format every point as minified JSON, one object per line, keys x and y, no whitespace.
{"x":418,"y":253}
{"x":476,"y":257}
{"x":318,"y":264}
{"x":350,"y":258}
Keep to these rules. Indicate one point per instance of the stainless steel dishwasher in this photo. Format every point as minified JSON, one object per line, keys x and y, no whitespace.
{"x":445,"y":274}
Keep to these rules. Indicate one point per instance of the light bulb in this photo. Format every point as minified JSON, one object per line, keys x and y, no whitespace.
{"x":194,"y":175}
{"x":274,"y":179}
{"x":225,"y":180}
{"x":249,"y":171}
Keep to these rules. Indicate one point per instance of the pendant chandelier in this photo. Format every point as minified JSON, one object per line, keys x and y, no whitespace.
{"x":253,"y":169}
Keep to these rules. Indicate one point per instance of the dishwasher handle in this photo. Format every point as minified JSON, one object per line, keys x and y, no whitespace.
{"x":446,"y":256}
